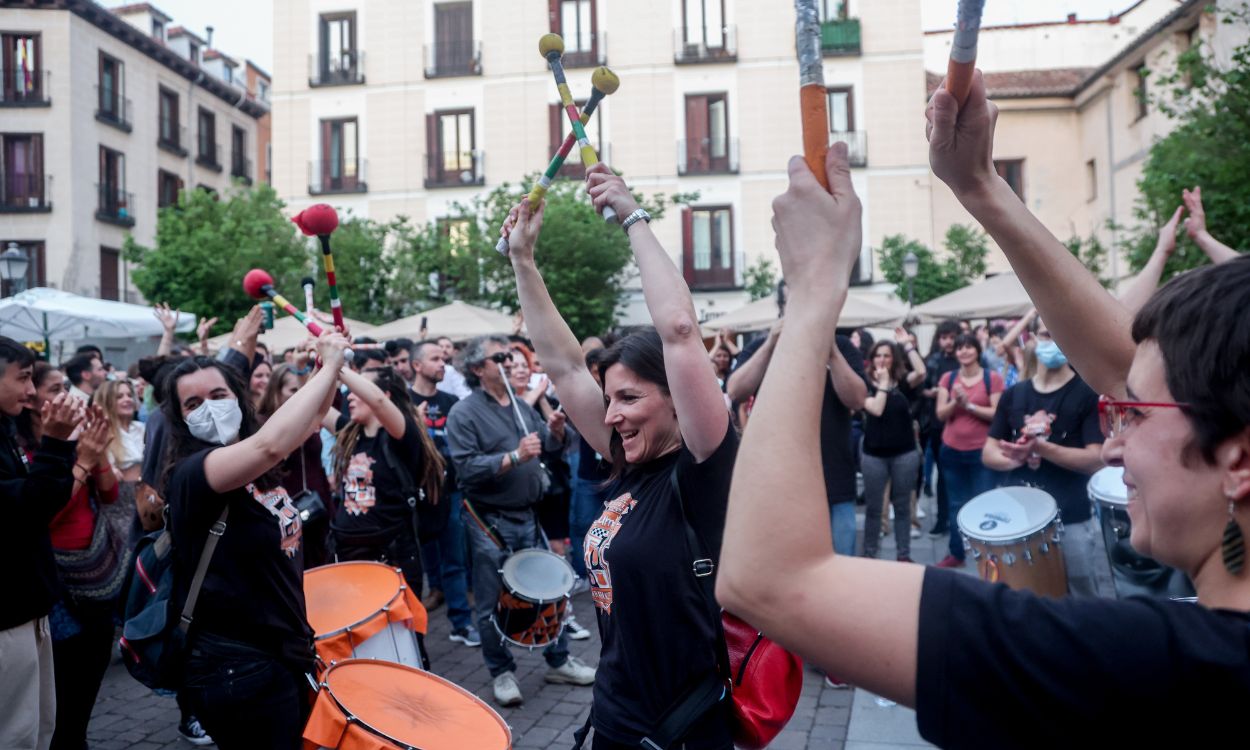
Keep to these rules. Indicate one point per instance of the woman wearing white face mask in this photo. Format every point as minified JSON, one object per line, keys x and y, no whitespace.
{"x":249,"y":644}
{"x":1046,"y":434}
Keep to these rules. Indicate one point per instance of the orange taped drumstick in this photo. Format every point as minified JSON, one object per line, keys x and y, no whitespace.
{"x":813,"y":103}
{"x":964,"y":49}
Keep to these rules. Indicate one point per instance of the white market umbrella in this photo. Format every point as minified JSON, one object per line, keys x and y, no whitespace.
{"x":458,"y":321}
{"x":858,"y":312}
{"x":1000,"y":296}
{"x":52,"y":314}
{"x":287,"y":332}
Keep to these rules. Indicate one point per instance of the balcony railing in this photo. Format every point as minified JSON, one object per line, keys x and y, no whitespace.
{"x":241,"y":169}
{"x":208,"y":155}
{"x":347,"y":69}
{"x":595,"y":56}
{"x":172,"y":137}
{"x":458,"y":58}
{"x":455,"y":170}
{"x":113,"y":109}
{"x":840,"y":37}
{"x":707,"y":156}
{"x":116,"y":205}
{"x":25,"y":193}
{"x":16,"y":92}
{"x":856,"y":144}
{"x":576,"y":170}
{"x":327,"y":177}
{"x":705,"y":45}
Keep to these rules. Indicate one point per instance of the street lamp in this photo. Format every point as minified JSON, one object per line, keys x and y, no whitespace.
{"x":911,"y":267}
{"x":13,"y":265}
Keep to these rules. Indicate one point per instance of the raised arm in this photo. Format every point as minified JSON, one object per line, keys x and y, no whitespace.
{"x":1196,"y":226}
{"x":1090,"y":325}
{"x":235,"y":465}
{"x":384,"y":409}
{"x":554,"y":341}
{"x":202,"y":330}
{"x":697,"y":397}
{"x":918,"y":371}
{"x":745,"y":380}
{"x":863,"y":626}
{"x":1137,"y":292}
{"x":169,"y":321}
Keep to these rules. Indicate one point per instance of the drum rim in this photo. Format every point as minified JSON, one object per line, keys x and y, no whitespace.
{"x":385,"y":607}
{"x":1050,"y":520}
{"x":528,"y":646}
{"x":1098,"y":497}
{"x":548,"y":553}
{"x":352,"y":718}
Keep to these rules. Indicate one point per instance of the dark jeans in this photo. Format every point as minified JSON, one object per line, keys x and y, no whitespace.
{"x":445,"y":565}
{"x":585,"y":506}
{"x":244,"y":697}
{"x":941,"y":495}
{"x":966,"y":477}
{"x":79,"y":663}
{"x":519,"y":530}
{"x":402,"y":551}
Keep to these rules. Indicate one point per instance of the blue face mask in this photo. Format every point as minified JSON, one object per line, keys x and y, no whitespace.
{"x":1049,"y":355}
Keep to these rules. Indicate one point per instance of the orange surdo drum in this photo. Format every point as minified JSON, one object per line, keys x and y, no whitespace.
{"x":1014,"y":534}
{"x":363,"y":610}
{"x":365,"y":704}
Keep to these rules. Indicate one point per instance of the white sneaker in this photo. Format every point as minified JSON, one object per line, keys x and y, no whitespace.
{"x":575,"y":630}
{"x":920,"y":511}
{"x":571,"y":672}
{"x":507,"y":692}
{"x":580,"y":586}
{"x":915,"y":533}
{"x":891,"y":512}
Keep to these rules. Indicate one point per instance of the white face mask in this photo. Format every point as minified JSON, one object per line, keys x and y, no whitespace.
{"x":216,"y":421}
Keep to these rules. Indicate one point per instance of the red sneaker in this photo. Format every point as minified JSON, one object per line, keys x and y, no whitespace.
{"x":950,"y":561}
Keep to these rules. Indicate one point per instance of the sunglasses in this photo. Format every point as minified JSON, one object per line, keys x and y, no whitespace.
{"x":1114,"y":417}
{"x":500,"y":357}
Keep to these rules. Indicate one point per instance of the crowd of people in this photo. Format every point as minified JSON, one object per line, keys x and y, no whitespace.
{"x":616,"y":452}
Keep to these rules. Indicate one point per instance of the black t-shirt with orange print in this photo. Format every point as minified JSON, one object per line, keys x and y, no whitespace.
{"x":654,"y":621}
{"x":253,"y":591}
{"x":373,"y":500}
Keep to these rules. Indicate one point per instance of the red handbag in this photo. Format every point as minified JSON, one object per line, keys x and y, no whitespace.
{"x":767,"y":680}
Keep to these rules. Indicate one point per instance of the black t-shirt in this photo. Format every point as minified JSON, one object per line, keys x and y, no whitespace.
{"x":253,"y":591}
{"x":439,"y":405}
{"x":890,"y":434}
{"x":1004,"y":668}
{"x":836,"y":449}
{"x":591,"y":465}
{"x":654,"y":620}
{"x":374,"y":503}
{"x":936,"y":367}
{"x":1075,"y":408}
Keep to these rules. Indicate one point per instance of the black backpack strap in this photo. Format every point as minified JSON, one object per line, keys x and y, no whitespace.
{"x":215,"y":533}
{"x":406,"y":483}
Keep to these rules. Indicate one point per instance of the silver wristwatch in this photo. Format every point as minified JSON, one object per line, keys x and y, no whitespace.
{"x":637,"y":215}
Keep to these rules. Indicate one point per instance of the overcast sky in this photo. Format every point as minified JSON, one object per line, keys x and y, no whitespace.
{"x":244,"y":28}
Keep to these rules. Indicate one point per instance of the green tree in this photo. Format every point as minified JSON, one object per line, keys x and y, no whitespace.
{"x":584,"y":260}
{"x":964,"y":260}
{"x":374,"y":284}
{"x":1092,"y":254}
{"x":1209,"y":101}
{"x":204,"y":246}
{"x":761,"y":278}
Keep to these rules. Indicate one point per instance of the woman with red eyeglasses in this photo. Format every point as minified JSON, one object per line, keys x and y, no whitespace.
{"x":985,"y":665}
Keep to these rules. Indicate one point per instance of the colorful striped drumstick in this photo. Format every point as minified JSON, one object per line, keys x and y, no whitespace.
{"x":551,"y":47}
{"x":603,"y":83}
{"x":813,"y":104}
{"x":322,"y":220}
{"x":964,"y":49}
{"x":259,"y":284}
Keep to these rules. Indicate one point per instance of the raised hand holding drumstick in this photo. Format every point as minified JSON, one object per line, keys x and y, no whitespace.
{"x":812,"y":102}
{"x":321,"y":220}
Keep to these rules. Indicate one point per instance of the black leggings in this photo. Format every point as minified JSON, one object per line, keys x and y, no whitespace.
{"x":79,"y":664}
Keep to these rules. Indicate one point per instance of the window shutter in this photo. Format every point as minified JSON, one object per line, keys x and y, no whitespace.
{"x":432,"y":155}
{"x":687,"y":244}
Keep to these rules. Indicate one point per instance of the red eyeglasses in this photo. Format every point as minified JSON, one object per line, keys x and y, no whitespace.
{"x":1117,"y":416}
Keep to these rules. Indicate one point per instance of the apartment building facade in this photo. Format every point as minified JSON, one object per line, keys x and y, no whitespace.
{"x":105,"y":115}
{"x":407,"y":106}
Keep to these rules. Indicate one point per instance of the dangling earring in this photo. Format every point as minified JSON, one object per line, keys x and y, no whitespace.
{"x":1234,"y":546}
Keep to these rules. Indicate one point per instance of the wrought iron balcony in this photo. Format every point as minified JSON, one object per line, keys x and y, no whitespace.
{"x":113,"y":109}
{"x":455,"y":58}
{"x":330,"y":177}
{"x":25,"y":193}
{"x":460,"y":169}
{"x":20,"y":90}
{"x":705,"y":45}
{"x":840,"y":37}
{"x":345,"y":69}
{"x":707,"y":156}
{"x":116,"y":206}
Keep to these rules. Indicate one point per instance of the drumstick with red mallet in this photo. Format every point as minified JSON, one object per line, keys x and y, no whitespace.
{"x":322,"y":220}
{"x":964,"y":49}
{"x":259,"y":284}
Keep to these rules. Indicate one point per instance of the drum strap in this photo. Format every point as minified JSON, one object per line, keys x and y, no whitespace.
{"x":486,"y":528}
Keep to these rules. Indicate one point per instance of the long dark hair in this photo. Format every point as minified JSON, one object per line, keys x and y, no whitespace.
{"x":25,"y":421}
{"x":181,"y":443}
{"x":642,"y":352}
{"x":898,"y":366}
{"x":431,"y":479}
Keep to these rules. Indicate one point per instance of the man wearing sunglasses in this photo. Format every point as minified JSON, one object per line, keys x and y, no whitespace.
{"x":1046,"y":434}
{"x":498,"y":470}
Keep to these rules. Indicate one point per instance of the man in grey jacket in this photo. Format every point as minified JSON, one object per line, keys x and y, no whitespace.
{"x":498,"y":470}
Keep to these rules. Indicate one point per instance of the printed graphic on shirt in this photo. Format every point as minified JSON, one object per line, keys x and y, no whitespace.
{"x":278,"y":502}
{"x":435,"y":420}
{"x":598,"y":540}
{"x":359,"y":494}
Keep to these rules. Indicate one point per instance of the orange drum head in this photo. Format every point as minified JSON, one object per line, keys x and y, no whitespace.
{"x":345,"y":594}
{"x":415,"y":708}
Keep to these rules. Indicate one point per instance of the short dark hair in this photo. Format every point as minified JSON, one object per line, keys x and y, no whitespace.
{"x":642,"y":352}
{"x":395,"y":346}
{"x":945,"y":328}
{"x":1198,"y":321}
{"x":90,"y":349}
{"x":415,"y":351}
{"x":377,"y":355}
{"x":998,"y":330}
{"x":968,"y":339}
{"x":12,"y":352}
{"x":593,"y":357}
{"x":77,"y":365}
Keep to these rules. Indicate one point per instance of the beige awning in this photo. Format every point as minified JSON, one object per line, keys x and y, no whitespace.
{"x":1000,"y":296}
{"x":860,"y":311}
{"x":288,"y":332}
{"x":458,"y":321}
